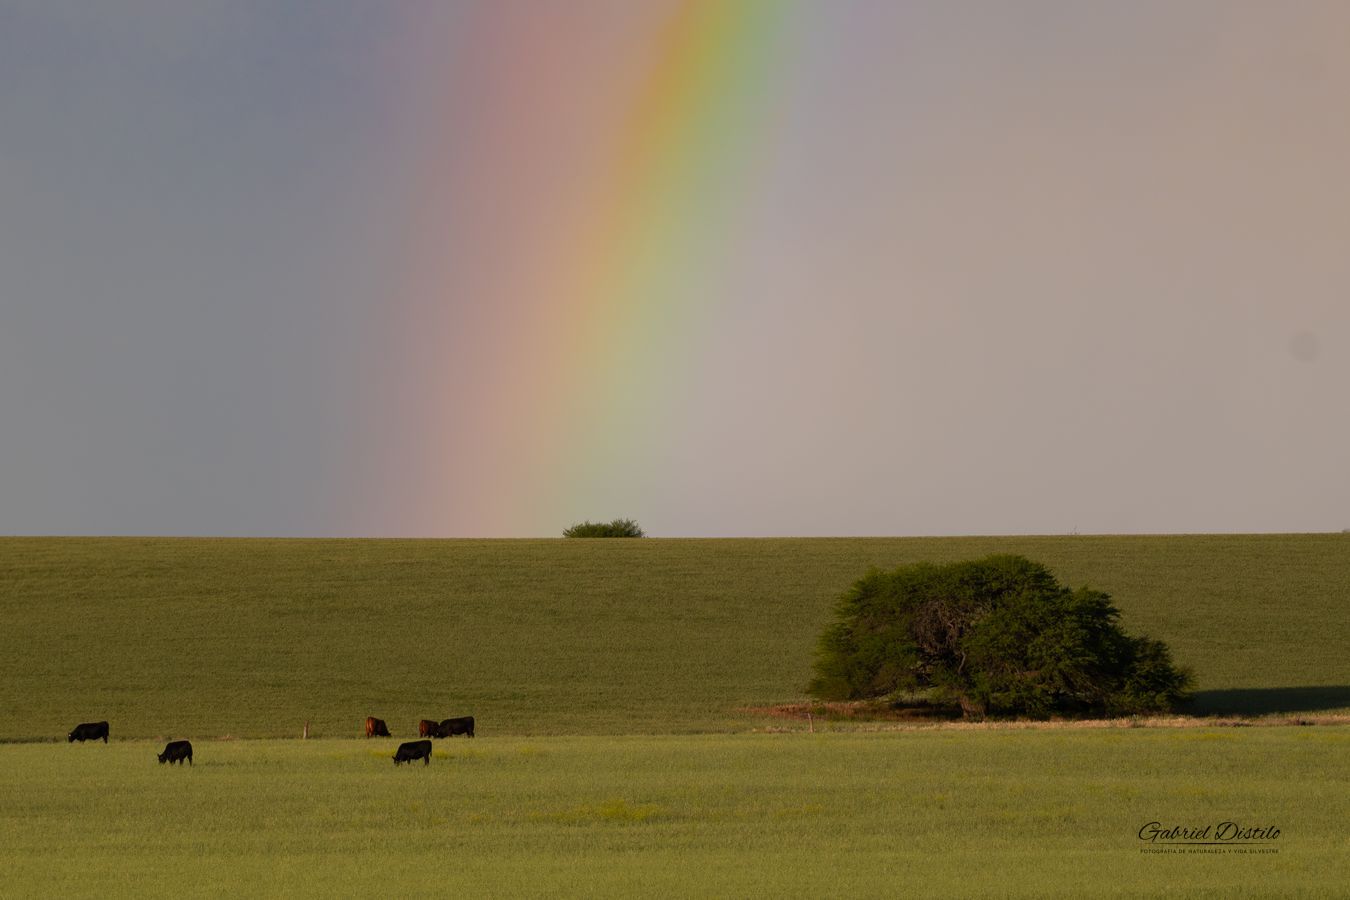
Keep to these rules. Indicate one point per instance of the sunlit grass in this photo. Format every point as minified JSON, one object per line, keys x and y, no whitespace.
{"x":924,"y":814}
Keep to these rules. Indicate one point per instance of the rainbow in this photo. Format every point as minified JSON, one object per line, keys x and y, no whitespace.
{"x":588,"y":280}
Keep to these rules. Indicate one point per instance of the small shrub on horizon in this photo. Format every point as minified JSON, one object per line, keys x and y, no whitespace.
{"x":620,"y":528}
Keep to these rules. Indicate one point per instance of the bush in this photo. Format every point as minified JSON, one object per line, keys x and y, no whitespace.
{"x":998,"y":635}
{"x":618,"y":528}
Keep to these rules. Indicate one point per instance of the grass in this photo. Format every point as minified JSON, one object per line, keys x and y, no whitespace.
{"x":252,"y":638}
{"x":995,"y":813}
{"x":635,"y":703}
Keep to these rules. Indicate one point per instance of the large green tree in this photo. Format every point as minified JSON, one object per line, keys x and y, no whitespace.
{"x":997,"y":635}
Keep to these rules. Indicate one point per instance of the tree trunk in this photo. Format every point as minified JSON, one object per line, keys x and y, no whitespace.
{"x":971,"y":709}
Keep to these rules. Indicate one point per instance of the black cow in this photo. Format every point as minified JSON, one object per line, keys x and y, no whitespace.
{"x":451,"y":727}
{"x":88,"y":731}
{"x":414,"y":750}
{"x":176,"y":752}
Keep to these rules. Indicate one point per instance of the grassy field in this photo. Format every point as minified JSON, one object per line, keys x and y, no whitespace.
{"x":252,"y":638}
{"x":616,"y":757}
{"x":1046,"y":813}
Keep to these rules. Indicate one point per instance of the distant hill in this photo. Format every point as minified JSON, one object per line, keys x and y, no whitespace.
{"x":205,"y":637}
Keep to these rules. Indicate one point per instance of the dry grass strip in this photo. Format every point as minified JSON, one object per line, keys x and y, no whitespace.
{"x":865,"y":716}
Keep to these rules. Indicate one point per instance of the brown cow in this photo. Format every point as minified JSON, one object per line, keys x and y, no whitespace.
{"x":426,"y":728}
{"x":376,"y":727}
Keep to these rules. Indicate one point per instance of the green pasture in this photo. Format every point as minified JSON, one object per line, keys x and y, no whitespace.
{"x":615,"y":757}
{"x":253,"y":638}
{"x":1043,"y":813}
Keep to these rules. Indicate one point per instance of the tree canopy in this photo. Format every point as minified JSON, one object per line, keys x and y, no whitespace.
{"x":997,"y":635}
{"x":617,"y":528}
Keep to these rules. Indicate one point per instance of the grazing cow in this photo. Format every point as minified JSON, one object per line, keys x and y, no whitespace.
{"x":414,"y":750}
{"x":176,"y":752}
{"x":426,"y":728}
{"x":451,"y":727}
{"x":376,"y":727}
{"x":88,"y":731}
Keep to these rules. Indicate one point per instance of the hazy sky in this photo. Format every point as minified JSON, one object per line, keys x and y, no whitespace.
{"x":487,"y":269}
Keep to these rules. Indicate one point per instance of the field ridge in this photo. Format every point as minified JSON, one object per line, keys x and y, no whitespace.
{"x":255,"y":637}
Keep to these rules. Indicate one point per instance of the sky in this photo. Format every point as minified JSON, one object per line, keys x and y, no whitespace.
{"x":742,"y":268}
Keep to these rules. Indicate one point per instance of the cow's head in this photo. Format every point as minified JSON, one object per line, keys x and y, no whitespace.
{"x":162,"y":756}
